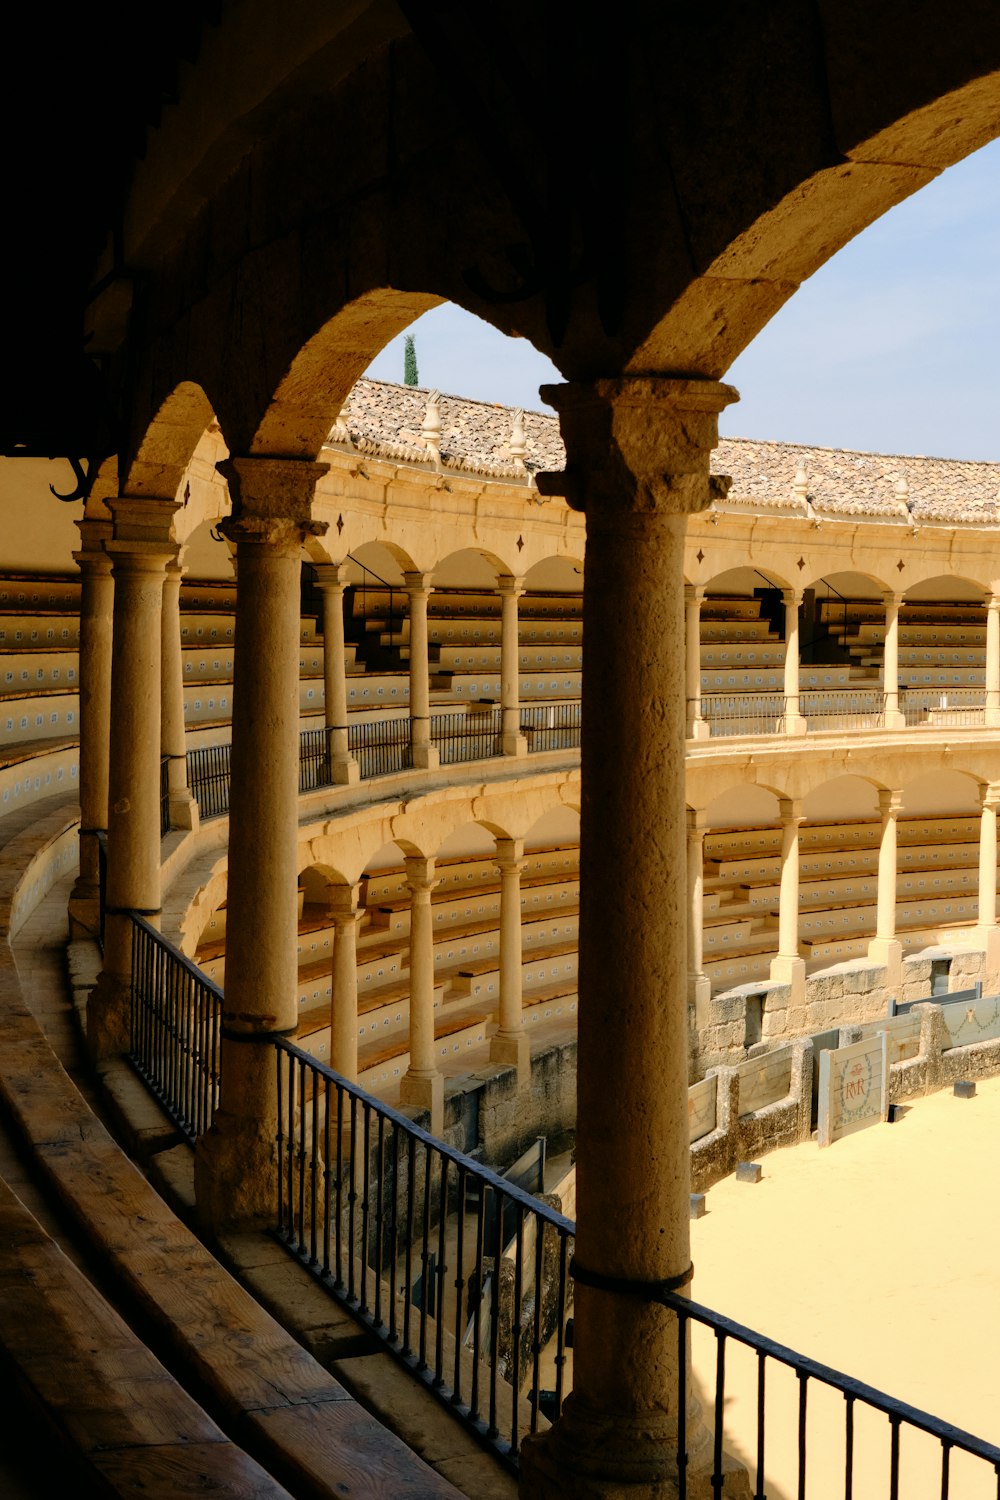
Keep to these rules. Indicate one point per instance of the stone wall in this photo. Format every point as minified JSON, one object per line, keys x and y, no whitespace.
{"x":846,"y":994}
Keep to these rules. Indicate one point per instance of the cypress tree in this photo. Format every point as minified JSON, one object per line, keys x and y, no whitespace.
{"x":410,"y":376}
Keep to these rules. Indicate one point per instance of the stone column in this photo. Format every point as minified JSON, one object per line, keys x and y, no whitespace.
{"x":699,"y":984}
{"x":885,"y":947}
{"x":894,"y":716}
{"x":638,"y":451}
{"x":788,"y":967}
{"x":987,"y":933}
{"x":173,"y":745}
{"x":235,"y":1161}
{"x":697,"y":728}
{"x":510,"y":1044}
{"x":425,"y":755}
{"x":422,"y":1084}
{"x":993,"y":662}
{"x":344,"y":986}
{"x":96,"y":605}
{"x":332,"y":580}
{"x":795,"y":722}
{"x":514,"y":742}
{"x":140,"y":551}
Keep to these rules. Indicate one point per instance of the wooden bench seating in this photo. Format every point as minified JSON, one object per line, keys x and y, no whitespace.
{"x":38,"y":628}
{"x":39,"y":667}
{"x":61,"y":1338}
{"x":479,"y":659}
{"x":45,"y":713}
{"x":46,"y":593}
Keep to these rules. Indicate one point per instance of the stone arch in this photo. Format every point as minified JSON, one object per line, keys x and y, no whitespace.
{"x":744,"y":578}
{"x":743,"y":804}
{"x":556,"y":573}
{"x":951,"y":791}
{"x":157,"y":471}
{"x":311,"y":392}
{"x":848,"y":797}
{"x":951,"y":588}
{"x":884,"y":144}
{"x":485,"y":567}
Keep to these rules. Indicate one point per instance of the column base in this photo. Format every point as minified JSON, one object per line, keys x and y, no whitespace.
{"x":992,"y":717}
{"x":425,"y":1091}
{"x":514,"y":744}
{"x":888,"y":953}
{"x":790,"y":971}
{"x":988,"y":938}
{"x":109,"y":1012}
{"x":235,"y":1175}
{"x":700,"y":998}
{"x":426,"y":757}
{"x":84,"y":910}
{"x":513,"y":1049}
{"x":602,"y":1463}
{"x":344,"y":770}
{"x":699,"y":729}
{"x":796,"y":723}
{"x":184,"y":811}
{"x":895,"y":718}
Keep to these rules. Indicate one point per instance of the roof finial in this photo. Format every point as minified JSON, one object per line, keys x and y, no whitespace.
{"x":431,"y":430}
{"x":800,"y":484}
{"x":902,"y":490}
{"x":340,"y":432}
{"x":518,"y":441}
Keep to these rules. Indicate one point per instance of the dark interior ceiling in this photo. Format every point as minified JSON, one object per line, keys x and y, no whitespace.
{"x":82,"y":88}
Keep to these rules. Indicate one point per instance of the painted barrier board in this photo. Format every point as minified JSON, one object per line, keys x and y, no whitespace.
{"x":853,"y":1087}
{"x":979,"y":1021}
{"x":765,"y":1079}
{"x":702,"y":1101}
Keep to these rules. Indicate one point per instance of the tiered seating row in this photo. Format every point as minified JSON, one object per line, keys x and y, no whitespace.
{"x":466,"y":912}
{"x":937,"y":888}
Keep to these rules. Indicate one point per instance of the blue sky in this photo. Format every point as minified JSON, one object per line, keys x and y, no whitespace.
{"x":890,"y":346}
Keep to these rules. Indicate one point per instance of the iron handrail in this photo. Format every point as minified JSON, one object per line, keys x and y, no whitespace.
{"x":899,"y":1413}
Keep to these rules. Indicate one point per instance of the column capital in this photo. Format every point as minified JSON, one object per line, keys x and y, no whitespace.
{"x":890,"y":802}
{"x":509,"y":584}
{"x":418,"y":583}
{"x":509,"y":855}
{"x":638,"y":443}
{"x":275,"y":488}
{"x":791,"y":596}
{"x":142,"y":521}
{"x":989,"y":795}
{"x":420,"y":876}
{"x":93,"y":534}
{"x":334,"y":576}
{"x":790,"y":809}
{"x":281,"y":534}
{"x":696,"y":823}
{"x":343,"y":899}
{"x":993,"y":603}
{"x":891,"y":599}
{"x":694,"y":593}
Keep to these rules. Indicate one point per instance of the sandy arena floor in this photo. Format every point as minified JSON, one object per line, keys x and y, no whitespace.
{"x":879,"y":1256}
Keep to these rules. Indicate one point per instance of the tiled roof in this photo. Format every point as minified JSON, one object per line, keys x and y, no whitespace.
{"x":413,"y":425}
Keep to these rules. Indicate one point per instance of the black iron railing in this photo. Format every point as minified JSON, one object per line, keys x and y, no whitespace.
{"x":175,"y":1018}
{"x":879,"y":1460}
{"x":208,"y":779}
{"x":475,"y":735}
{"x":552,"y":726}
{"x":380,"y":746}
{"x":314,"y":759}
{"x":164,"y":795}
{"x":464,"y":1276}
